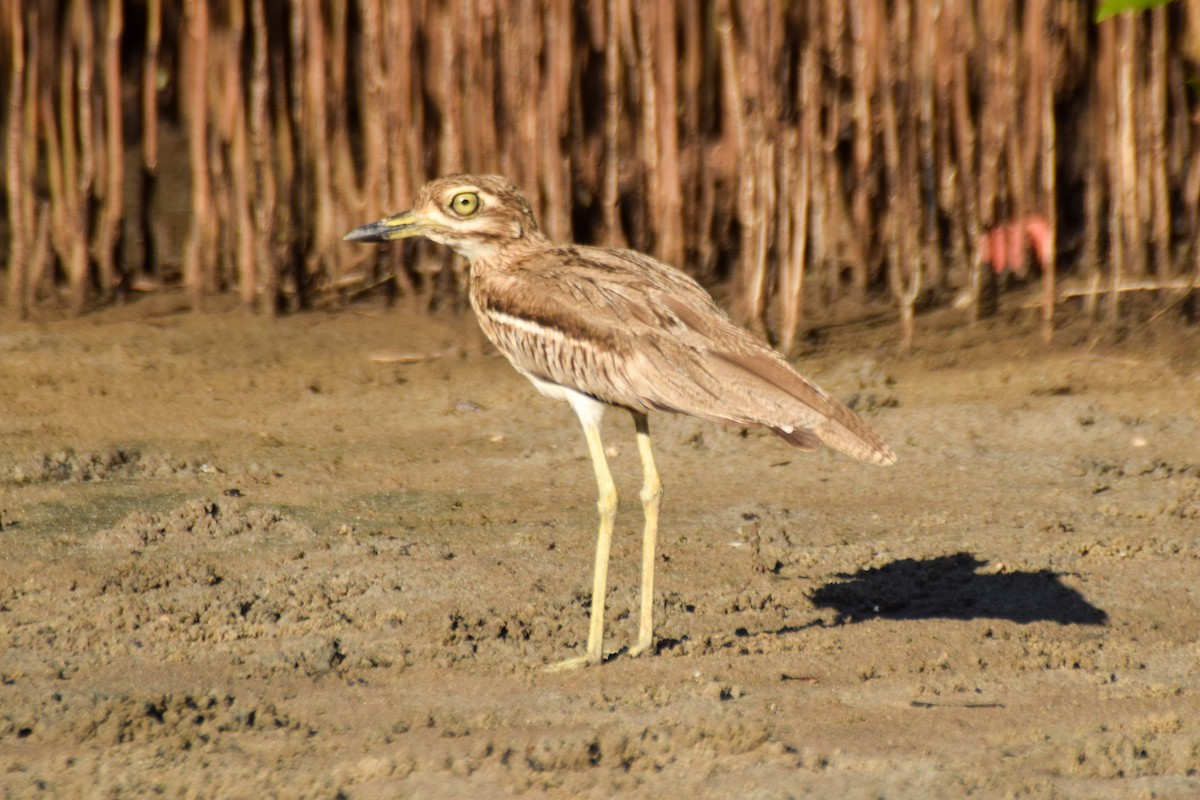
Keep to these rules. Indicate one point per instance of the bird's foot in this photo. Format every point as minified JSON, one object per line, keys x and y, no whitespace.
{"x":569,"y":664}
{"x":643,"y":647}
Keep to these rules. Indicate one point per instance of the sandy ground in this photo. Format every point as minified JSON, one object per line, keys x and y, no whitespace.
{"x":244,"y":558}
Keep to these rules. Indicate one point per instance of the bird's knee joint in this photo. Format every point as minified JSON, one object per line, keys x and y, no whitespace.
{"x":652,"y":493}
{"x":608,"y":501}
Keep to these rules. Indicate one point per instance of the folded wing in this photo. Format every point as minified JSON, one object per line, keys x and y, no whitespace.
{"x":635,"y":333}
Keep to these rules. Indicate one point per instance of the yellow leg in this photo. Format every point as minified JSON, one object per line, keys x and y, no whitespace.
{"x":608,"y":513}
{"x":651,"y":498}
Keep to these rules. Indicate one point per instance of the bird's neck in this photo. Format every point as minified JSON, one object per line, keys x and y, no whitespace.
{"x":504,"y":254}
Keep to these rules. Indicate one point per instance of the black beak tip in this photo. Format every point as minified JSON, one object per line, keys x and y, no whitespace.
{"x":367,"y":233}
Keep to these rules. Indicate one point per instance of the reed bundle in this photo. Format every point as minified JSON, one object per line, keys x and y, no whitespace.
{"x":812,"y":157}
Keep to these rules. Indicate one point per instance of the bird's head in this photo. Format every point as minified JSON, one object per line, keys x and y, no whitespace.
{"x":476,"y":215}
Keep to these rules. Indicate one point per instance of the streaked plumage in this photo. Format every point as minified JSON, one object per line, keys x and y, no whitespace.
{"x":600,"y":326}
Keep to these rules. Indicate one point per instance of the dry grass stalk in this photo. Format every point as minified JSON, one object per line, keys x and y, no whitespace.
{"x":265,"y":263}
{"x":903,"y":218}
{"x":241,"y":172}
{"x":1158,"y":205}
{"x":149,"y":108}
{"x":1124,"y":202}
{"x":78,"y":138}
{"x":16,"y":173}
{"x":199,"y":248}
{"x":112,"y":210}
{"x":1050,"y":203}
{"x":614,"y":235}
{"x":797,"y":176}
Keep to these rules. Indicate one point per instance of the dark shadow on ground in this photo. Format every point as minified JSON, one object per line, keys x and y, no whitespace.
{"x":950,"y":587}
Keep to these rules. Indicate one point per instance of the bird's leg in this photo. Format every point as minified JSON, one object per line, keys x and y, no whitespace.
{"x":651,"y":498}
{"x":608,"y":512}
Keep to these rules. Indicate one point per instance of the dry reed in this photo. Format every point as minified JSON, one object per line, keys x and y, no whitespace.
{"x":816,"y":157}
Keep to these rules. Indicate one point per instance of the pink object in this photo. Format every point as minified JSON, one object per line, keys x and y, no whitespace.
{"x":1004,"y":245}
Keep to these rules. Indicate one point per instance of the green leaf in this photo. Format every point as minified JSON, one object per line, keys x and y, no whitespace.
{"x":1110,"y":8}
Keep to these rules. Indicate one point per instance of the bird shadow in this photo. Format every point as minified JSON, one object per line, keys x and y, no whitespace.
{"x":951,"y":587}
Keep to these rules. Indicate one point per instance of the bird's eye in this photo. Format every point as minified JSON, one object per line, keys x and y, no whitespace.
{"x":465,"y":203}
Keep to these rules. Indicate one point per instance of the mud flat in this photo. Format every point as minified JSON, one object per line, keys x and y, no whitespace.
{"x":326,"y":557}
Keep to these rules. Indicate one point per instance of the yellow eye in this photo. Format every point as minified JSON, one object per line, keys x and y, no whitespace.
{"x":465,"y":203}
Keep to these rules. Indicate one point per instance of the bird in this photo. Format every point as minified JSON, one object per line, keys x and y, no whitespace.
{"x":602,"y":327}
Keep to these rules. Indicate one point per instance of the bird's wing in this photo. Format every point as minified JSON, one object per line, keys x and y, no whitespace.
{"x":630,"y":331}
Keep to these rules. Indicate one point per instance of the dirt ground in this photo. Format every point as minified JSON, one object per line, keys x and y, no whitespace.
{"x":328,"y":556}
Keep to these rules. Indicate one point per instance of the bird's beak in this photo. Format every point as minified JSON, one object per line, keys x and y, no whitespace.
{"x":401,"y":226}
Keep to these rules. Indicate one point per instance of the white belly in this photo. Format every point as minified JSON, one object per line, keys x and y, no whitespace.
{"x":587,"y":408}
